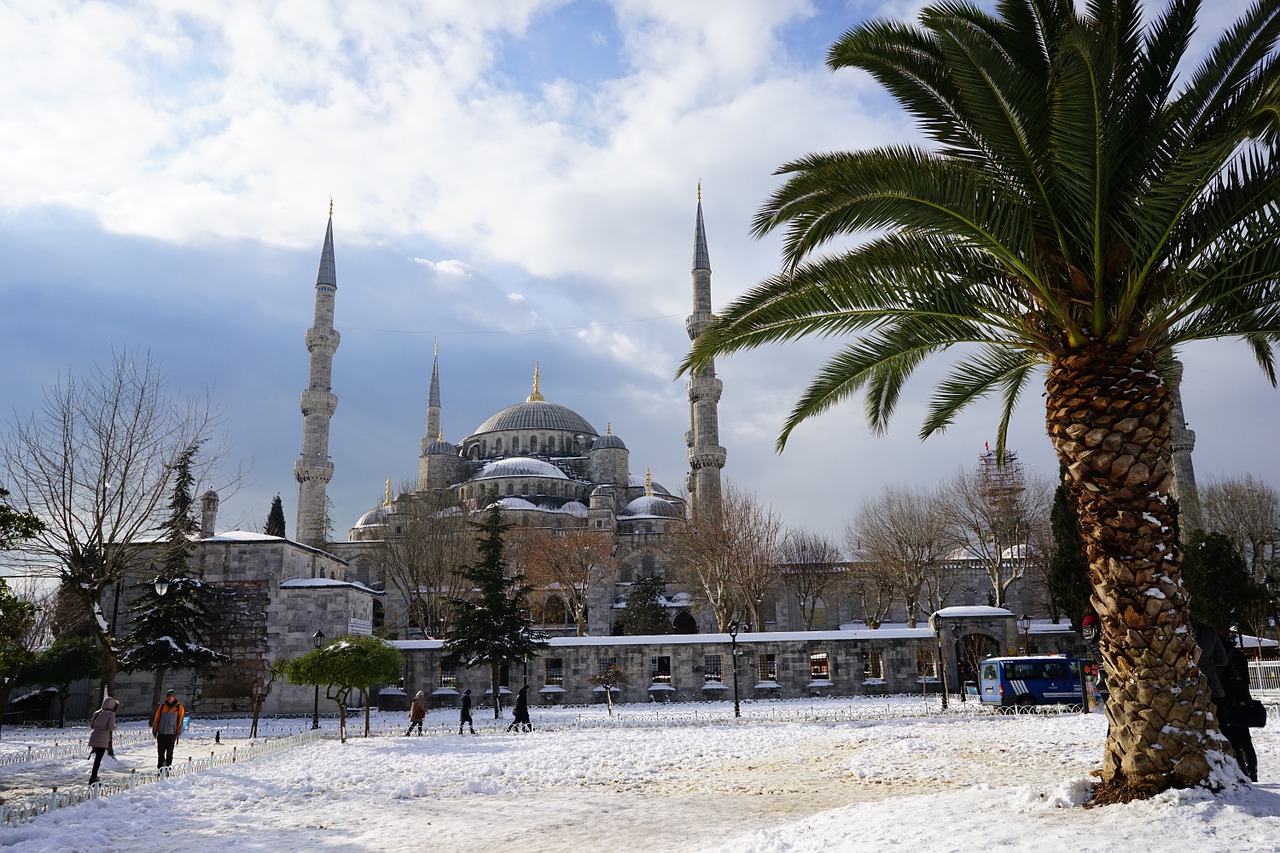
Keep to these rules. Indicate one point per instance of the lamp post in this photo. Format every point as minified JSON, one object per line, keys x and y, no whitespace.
{"x":733,"y":652}
{"x":957,"y":637}
{"x":1024,"y":628}
{"x":936,"y":623}
{"x":317,"y":640}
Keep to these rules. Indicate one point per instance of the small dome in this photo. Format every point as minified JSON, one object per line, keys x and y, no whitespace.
{"x":440,"y":447}
{"x":519,"y":466}
{"x":640,"y":482}
{"x":652,"y":505}
{"x":608,"y":440}
{"x":376,"y":517}
{"x":575,"y":508}
{"x":516,"y":503}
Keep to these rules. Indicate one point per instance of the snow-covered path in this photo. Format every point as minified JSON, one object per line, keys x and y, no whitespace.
{"x":931,"y":783}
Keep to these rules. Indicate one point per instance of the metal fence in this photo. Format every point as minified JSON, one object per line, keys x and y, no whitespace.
{"x":1264,"y":678}
{"x":19,"y":811}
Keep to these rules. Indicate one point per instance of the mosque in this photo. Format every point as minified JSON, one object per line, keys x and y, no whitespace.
{"x":547,"y":465}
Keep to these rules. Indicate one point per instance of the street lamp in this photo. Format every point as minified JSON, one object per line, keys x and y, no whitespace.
{"x":161,"y":585}
{"x":733,"y":651}
{"x":937,"y":624}
{"x":1024,"y":628}
{"x":317,"y":640}
{"x":962,"y":664}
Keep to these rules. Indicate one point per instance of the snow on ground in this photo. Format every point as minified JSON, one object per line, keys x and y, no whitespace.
{"x":843,"y":775}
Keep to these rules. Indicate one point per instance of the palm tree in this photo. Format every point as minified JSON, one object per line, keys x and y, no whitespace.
{"x":1078,"y":211}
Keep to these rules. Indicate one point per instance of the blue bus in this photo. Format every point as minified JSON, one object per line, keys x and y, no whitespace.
{"x":1024,"y":682}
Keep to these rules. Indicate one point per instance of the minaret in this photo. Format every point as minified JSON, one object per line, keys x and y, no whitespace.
{"x":706,"y":456}
{"x":313,"y":469}
{"x":433,"y":433}
{"x":1181,"y":442}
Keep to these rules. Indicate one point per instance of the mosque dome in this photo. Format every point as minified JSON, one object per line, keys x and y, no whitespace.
{"x":440,"y":447}
{"x":652,"y":505}
{"x":376,"y":517}
{"x":537,"y":415}
{"x":519,"y":466}
{"x":608,"y":440}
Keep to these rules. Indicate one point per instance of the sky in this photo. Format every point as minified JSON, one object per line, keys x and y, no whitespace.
{"x":516,"y":179}
{"x":846,"y":775}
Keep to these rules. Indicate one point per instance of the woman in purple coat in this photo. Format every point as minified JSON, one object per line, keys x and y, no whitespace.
{"x":101,"y":725}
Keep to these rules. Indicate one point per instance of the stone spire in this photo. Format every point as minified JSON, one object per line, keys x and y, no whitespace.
{"x":1181,"y":442}
{"x":706,"y":456}
{"x":313,"y":469}
{"x":433,"y":402}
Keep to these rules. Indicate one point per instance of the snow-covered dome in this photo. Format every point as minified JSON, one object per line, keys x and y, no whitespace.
{"x":516,"y":503}
{"x":519,"y":466}
{"x":539,"y":415}
{"x":652,"y":505}
{"x":376,"y":517}
{"x":575,"y":508}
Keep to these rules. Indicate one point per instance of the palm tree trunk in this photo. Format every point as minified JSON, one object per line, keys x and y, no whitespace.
{"x":1108,"y":417}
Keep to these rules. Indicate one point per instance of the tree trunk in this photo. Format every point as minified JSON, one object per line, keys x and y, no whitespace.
{"x":1108,"y":417}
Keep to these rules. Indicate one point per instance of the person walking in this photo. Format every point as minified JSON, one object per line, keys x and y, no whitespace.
{"x":464,"y":712}
{"x":1236,"y":699}
{"x":417,"y":713}
{"x":166,"y":727}
{"x":101,"y":725}
{"x":520,"y":716}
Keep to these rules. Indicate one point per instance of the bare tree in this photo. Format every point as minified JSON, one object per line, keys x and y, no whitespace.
{"x":95,"y":464}
{"x":730,"y":557}
{"x":1247,"y":511}
{"x":426,"y":541}
{"x":872,"y":584}
{"x":902,"y":532}
{"x":811,"y":568}
{"x":991,"y":511}
{"x":568,"y":563}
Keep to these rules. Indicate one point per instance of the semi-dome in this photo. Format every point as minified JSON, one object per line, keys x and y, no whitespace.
{"x":652,"y":505}
{"x":537,"y":414}
{"x":519,"y":466}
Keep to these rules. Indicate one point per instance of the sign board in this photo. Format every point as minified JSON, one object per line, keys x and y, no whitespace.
{"x":359,"y":627}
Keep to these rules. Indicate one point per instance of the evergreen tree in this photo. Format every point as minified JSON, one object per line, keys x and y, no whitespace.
{"x":644,"y":612}
{"x":1217,"y":579}
{"x":170,"y":628}
{"x":1069,"y":567}
{"x":275,"y":519}
{"x":493,"y":627}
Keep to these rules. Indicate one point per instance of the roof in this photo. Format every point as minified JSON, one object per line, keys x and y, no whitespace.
{"x":519,"y":466}
{"x":537,"y":414}
{"x":651,"y":506}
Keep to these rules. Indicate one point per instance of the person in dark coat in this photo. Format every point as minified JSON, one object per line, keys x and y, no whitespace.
{"x":464,"y":713}
{"x":1213,"y":656}
{"x":417,"y":713}
{"x":1235,"y":693}
{"x":101,"y":725}
{"x":520,"y":716}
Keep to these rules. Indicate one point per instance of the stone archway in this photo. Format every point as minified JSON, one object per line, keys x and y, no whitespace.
{"x":684,"y":623}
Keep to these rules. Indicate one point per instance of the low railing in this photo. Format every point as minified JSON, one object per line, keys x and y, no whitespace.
{"x":29,"y":808}
{"x":1264,"y":678}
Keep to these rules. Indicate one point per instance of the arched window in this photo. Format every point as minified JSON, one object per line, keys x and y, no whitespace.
{"x":524,"y":488}
{"x":511,"y":489}
{"x":515,"y":444}
{"x":648,"y":566}
{"x":533,"y":444}
{"x":497,"y":446}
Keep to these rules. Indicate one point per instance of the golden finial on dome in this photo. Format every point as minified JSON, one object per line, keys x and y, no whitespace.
{"x":648,"y":481}
{"x":608,"y":428}
{"x":699,"y":189}
{"x":536,"y":396}
{"x":388,"y":503}
{"x":440,"y":435}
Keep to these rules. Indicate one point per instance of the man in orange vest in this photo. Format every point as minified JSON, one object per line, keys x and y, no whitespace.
{"x":166,"y":727}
